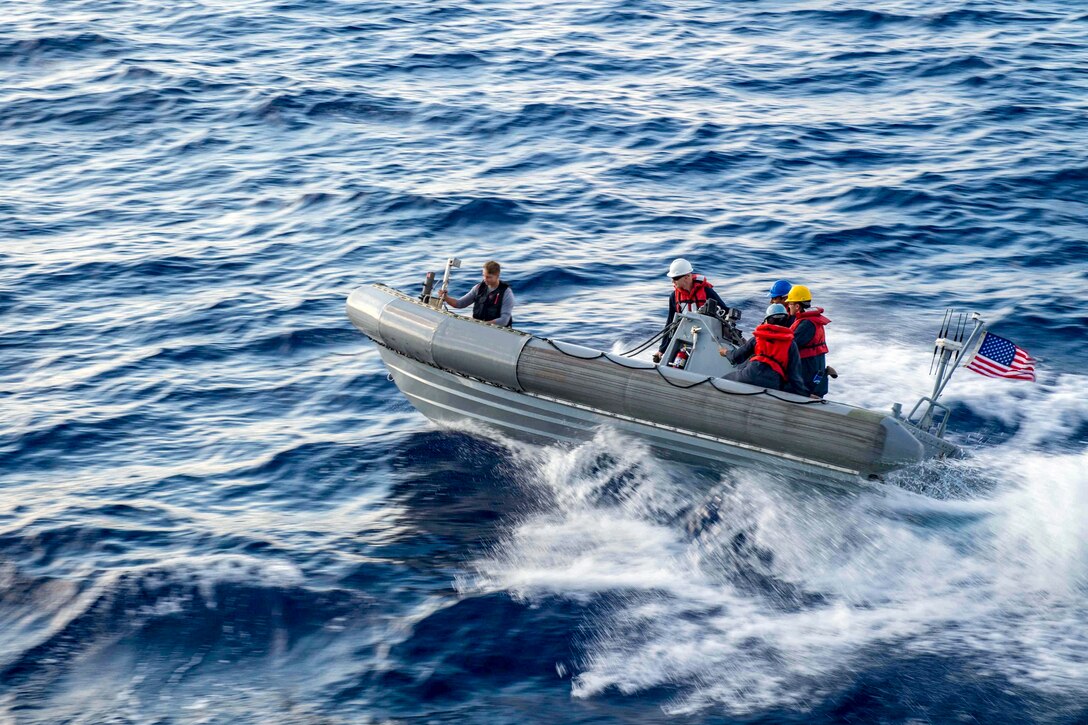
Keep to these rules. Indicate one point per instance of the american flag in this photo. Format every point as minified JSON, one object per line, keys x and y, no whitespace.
{"x":999,"y":358}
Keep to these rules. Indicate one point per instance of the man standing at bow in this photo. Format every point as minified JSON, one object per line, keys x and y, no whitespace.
{"x":492,"y":299}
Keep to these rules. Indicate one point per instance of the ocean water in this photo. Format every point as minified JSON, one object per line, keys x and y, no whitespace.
{"x":216,"y":508}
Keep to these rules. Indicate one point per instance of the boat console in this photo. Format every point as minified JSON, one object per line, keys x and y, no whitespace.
{"x":698,"y":337}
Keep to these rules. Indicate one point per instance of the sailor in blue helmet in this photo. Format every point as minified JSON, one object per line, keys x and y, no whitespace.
{"x":770,"y":358}
{"x":779,"y":290}
{"x":690,"y":292}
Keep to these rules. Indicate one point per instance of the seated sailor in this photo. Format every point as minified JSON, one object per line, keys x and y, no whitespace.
{"x":770,"y":358}
{"x":492,"y":299}
{"x":808,"y":332}
{"x":690,"y":292}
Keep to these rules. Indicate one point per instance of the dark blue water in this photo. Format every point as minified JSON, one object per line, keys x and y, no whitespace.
{"x":214,"y":506}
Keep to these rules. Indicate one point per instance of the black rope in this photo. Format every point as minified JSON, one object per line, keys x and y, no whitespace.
{"x":642,"y":365}
{"x":667,"y":330}
{"x":571,"y":354}
{"x":606,"y":356}
{"x":683,"y":387}
{"x":810,"y":401}
{"x":763,"y":391}
{"x":735,"y":392}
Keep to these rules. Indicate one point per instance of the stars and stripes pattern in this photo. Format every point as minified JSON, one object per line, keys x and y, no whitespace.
{"x":999,"y":358}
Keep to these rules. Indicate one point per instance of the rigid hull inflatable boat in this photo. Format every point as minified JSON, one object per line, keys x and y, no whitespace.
{"x":453,"y":369}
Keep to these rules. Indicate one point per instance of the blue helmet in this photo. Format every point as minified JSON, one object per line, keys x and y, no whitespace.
{"x":781,"y":288}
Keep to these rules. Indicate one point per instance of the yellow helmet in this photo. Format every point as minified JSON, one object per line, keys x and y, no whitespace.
{"x":799,"y":293}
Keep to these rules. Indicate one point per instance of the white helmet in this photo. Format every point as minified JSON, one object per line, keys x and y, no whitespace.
{"x":775,"y":309}
{"x":679,"y":268}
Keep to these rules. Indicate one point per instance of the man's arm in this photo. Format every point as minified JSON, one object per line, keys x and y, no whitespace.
{"x":462,"y":301}
{"x":804,"y":332}
{"x":742,"y":353}
{"x":795,"y":384}
{"x":507,"y":309}
{"x":668,"y":321}
{"x":712,"y":294}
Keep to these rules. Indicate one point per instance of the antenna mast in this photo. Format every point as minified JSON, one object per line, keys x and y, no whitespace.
{"x":948,"y":350}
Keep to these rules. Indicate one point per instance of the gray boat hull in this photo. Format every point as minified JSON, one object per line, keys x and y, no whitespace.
{"x":453,"y":369}
{"x":455,"y":401}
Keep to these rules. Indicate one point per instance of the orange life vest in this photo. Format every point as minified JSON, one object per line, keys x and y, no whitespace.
{"x":773,"y":347}
{"x":693,"y":298}
{"x":818,"y":344}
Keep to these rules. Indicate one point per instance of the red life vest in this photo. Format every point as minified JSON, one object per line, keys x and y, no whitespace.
{"x":693,"y":298}
{"x":818,"y":344}
{"x":773,"y":347}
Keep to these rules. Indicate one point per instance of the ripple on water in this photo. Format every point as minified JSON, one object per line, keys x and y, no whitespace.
{"x":214,"y":504}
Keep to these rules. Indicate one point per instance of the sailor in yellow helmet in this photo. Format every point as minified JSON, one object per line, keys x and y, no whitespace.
{"x":808,"y":324}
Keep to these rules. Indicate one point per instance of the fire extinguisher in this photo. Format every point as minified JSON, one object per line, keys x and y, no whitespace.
{"x":681,"y":359}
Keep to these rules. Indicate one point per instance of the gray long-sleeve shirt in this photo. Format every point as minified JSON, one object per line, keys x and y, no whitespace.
{"x":507,"y":304}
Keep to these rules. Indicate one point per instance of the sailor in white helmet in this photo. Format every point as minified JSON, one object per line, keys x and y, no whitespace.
{"x":690,"y":292}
